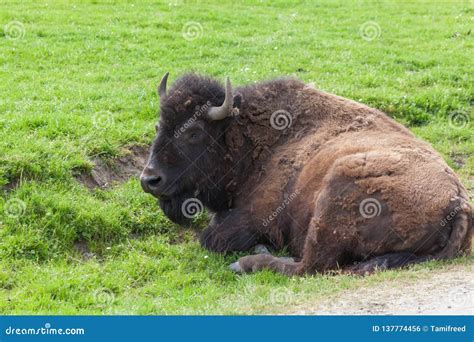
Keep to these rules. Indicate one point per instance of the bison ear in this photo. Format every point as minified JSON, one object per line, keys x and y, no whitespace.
{"x":237,"y":100}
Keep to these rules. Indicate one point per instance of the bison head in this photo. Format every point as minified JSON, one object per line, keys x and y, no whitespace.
{"x":187,"y":157}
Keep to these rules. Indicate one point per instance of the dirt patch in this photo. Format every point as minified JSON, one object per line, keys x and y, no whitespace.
{"x":106,"y":173}
{"x":458,"y":159}
{"x":12,"y":185}
{"x":446,"y":292}
{"x":82,"y":248}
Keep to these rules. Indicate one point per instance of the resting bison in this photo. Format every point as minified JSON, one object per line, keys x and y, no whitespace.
{"x":338,"y":184}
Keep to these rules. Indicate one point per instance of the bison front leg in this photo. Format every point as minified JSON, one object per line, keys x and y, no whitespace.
{"x":254,"y":263}
{"x":322,"y":253}
{"x":230,"y":232}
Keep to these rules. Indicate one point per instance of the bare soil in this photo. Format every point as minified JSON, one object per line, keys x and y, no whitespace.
{"x":107,"y":173}
{"x":446,"y":292}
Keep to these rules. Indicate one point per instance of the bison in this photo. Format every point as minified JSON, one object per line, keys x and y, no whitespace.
{"x":339,"y":185}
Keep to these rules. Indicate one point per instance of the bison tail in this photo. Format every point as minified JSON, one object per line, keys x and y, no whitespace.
{"x":385,"y":262}
{"x":459,"y":243}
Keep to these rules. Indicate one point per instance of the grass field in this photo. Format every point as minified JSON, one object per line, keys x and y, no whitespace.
{"x":78,"y":82}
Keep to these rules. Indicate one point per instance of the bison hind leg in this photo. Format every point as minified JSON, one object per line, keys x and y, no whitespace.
{"x":385,"y":262}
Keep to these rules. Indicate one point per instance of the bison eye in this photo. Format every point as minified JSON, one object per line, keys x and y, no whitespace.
{"x":194,"y":136}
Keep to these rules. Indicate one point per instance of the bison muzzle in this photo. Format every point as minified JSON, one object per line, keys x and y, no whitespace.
{"x":338,"y":184}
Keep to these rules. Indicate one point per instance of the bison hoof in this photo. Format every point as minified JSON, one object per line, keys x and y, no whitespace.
{"x":235,"y":267}
{"x":261,"y":249}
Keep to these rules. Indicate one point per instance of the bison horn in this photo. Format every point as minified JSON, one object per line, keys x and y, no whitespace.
{"x":162,"y":87}
{"x":219,"y":113}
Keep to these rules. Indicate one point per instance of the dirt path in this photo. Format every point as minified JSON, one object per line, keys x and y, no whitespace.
{"x":446,"y":292}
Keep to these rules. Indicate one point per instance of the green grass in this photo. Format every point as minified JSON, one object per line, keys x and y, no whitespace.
{"x":81,"y":83}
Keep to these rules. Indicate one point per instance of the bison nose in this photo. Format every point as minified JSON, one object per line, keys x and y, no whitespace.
{"x":152,"y":182}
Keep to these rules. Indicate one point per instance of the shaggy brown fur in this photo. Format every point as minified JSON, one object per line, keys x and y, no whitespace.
{"x":344,"y":186}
